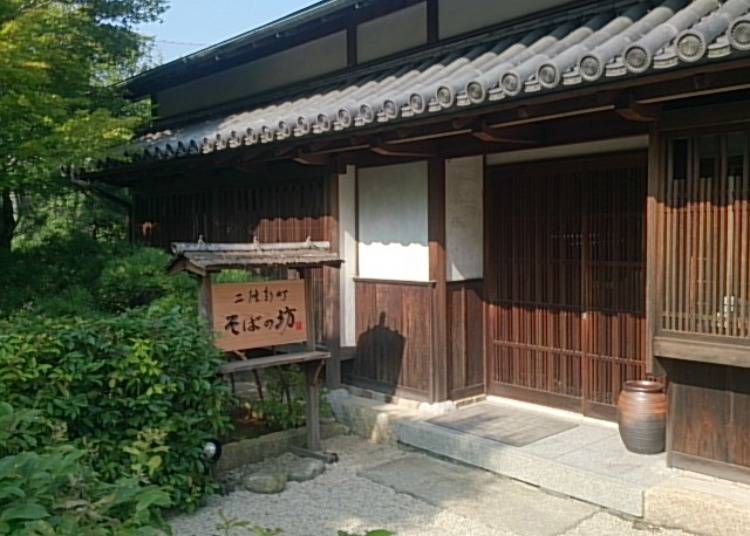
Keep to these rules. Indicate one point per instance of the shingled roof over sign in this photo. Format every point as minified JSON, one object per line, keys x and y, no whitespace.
{"x":644,"y":37}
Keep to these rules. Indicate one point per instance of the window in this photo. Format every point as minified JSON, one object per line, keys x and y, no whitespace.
{"x":704,"y":267}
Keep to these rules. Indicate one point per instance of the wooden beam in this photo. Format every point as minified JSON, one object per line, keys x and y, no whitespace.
{"x":433,"y":21}
{"x":653,"y":241}
{"x":489,"y":135}
{"x":331,"y":288}
{"x":313,"y":159}
{"x":351,"y":44}
{"x":627,"y":108}
{"x":414,"y":150}
{"x":436,"y":230}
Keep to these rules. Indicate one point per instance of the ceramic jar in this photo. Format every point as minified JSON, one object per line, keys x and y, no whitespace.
{"x":642,"y":416}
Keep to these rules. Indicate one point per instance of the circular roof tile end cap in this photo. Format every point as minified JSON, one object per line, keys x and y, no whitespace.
{"x":476,"y":92}
{"x":390,"y":109}
{"x":445,"y":97}
{"x":591,"y":68}
{"x":691,"y":46}
{"x":417,"y":103}
{"x":739,"y":33}
{"x":323,"y":121}
{"x":511,"y":83}
{"x":637,"y":59}
{"x":548,"y":75}
{"x":366,"y":113}
{"x":345,"y":117}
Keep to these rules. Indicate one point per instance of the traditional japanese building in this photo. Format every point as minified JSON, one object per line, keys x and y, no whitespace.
{"x":536,"y":200}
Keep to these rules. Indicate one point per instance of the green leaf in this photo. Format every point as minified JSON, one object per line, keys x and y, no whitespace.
{"x":24,"y":512}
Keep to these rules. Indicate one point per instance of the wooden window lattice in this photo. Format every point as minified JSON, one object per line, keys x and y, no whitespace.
{"x":706,"y":228}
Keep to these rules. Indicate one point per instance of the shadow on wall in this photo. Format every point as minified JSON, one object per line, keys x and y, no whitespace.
{"x":380,"y":354}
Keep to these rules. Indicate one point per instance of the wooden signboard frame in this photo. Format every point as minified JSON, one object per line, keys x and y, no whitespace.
{"x":203,"y":260}
{"x":259,"y":315}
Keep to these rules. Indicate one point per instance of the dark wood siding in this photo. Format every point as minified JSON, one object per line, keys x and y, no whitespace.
{"x":224,"y":209}
{"x":232,"y":207}
{"x":709,"y":428}
{"x":565,"y":281}
{"x":394,"y":337}
{"x":465,"y":339}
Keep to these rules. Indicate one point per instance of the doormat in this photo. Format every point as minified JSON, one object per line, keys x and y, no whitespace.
{"x":510,"y":426}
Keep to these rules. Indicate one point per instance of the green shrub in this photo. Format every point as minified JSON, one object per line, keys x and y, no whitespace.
{"x":139,"y":391}
{"x":54,"y":276}
{"x":22,"y":430}
{"x":56,"y":493}
{"x":139,"y":278}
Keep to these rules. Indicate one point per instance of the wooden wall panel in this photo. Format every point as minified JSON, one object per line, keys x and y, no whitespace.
{"x":394,"y":337}
{"x":709,"y":424}
{"x":465,"y":339}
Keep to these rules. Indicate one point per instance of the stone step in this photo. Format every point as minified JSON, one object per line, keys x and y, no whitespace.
{"x":615,"y":494}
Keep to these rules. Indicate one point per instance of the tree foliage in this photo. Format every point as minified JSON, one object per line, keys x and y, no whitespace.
{"x":59,"y":104}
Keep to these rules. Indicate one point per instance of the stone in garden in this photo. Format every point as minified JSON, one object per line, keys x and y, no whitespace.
{"x":266,"y":482}
{"x":306,"y":469}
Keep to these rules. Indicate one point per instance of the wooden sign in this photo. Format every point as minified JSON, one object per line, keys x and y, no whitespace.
{"x":258,"y":315}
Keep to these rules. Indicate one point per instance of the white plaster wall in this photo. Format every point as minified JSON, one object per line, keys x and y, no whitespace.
{"x":400,"y":30}
{"x":308,"y":60}
{"x":464,"y":184}
{"x":348,"y":252}
{"x":460,"y":16}
{"x":393,"y":222}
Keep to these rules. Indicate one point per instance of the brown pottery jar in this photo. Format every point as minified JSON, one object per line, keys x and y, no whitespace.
{"x":642,"y":416}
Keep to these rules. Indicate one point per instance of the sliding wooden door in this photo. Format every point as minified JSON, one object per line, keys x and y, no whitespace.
{"x":565,"y":281}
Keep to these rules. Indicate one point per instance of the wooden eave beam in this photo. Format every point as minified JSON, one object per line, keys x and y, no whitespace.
{"x":412,"y":150}
{"x":308,"y":159}
{"x":490,"y":135}
{"x":627,"y":108}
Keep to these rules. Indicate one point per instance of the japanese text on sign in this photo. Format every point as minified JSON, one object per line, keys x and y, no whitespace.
{"x":256,"y":315}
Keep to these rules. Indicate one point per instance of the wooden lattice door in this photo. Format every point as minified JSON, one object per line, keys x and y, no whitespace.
{"x":565,"y":281}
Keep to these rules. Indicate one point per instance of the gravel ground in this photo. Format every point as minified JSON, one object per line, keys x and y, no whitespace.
{"x":341,"y":500}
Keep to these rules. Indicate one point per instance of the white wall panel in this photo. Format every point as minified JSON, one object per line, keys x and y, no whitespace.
{"x":464,"y":184}
{"x":400,"y":30}
{"x":298,"y":63}
{"x":348,"y":252}
{"x":393,"y":222}
{"x":460,"y":16}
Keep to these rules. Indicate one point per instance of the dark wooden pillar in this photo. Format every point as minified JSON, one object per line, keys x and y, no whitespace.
{"x":436,"y":234}
{"x":433,"y":21}
{"x":332,"y":289}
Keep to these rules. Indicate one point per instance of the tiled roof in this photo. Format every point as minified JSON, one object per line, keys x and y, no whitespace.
{"x":645,"y":37}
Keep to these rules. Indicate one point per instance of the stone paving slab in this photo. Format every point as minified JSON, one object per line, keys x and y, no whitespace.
{"x":565,"y":442}
{"x":613,"y":493}
{"x":499,"y":503}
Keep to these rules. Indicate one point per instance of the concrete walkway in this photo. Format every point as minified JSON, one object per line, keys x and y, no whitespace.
{"x":381,"y":486}
{"x":586,"y":462}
